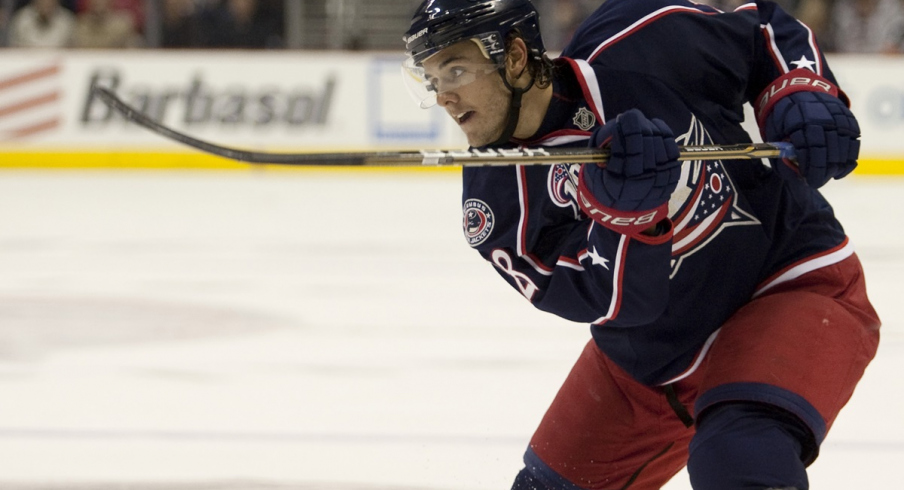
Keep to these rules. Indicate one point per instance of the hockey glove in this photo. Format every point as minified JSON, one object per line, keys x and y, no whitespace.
{"x":824,"y":132}
{"x":630,"y":193}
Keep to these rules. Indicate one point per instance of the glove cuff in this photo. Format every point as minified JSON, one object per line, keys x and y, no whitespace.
{"x":630,"y":223}
{"x":799,"y":80}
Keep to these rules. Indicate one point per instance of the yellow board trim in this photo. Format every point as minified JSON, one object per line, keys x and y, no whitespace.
{"x":202,"y":161}
{"x":165,"y":161}
{"x":880,"y":166}
{"x":117,"y":160}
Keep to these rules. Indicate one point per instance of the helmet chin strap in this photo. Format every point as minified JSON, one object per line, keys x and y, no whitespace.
{"x":514,"y":109}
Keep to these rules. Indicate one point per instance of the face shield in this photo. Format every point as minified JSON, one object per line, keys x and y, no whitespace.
{"x":428,"y":75}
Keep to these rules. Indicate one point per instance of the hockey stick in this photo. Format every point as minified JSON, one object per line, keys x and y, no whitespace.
{"x":464,"y":158}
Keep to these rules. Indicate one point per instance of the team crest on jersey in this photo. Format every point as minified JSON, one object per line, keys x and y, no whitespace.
{"x":477,"y":221}
{"x":562,"y":184}
{"x":584,"y":119}
{"x":705,"y":202}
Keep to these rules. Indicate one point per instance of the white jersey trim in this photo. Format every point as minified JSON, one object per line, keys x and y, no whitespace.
{"x":774,"y":48}
{"x":697,"y":361}
{"x":811,"y":40}
{"x":616,"y":279}
{"x":808,"y":266}
{"x":593,"y":86}
{"x":564,"y":140}
{"x":541,"y":270}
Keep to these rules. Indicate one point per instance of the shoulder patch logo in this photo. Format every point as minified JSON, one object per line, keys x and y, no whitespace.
{"x":477,"y":221}
{"x":584,"y":119}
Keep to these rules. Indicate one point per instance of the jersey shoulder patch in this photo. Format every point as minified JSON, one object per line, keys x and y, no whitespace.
{"x":478,"y":221}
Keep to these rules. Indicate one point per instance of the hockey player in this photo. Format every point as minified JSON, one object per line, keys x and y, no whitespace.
{"x":728,"y":310}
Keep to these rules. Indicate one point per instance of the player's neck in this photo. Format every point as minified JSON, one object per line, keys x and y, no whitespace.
{"x":534,"y":105}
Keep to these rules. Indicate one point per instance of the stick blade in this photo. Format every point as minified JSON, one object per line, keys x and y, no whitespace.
{"x":316,"y":159}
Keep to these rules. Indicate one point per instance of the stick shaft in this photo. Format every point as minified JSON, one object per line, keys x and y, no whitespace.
{"x":489,"y":157}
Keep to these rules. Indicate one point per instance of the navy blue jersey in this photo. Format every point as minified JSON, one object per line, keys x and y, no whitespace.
{"x":739,"y":228}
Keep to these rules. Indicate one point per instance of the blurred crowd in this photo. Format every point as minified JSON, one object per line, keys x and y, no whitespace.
{"x":111,"y":24}
{"x":847,"y":26}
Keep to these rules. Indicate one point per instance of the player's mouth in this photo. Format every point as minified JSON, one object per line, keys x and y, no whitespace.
{"x":463,"y":117}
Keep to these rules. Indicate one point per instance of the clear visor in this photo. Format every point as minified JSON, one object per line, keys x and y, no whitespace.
{"x":426,"y":83}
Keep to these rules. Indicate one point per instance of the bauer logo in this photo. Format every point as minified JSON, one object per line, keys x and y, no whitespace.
{"x":477,"y":221}
{"x":416,"y":35}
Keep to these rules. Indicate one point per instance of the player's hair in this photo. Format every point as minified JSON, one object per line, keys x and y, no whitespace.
{"x":541,"y":68}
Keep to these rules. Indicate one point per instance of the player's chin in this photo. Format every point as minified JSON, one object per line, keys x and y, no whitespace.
{"x":471,"y":135}
{"x":478,"y":138}
{"x":477,"y":141}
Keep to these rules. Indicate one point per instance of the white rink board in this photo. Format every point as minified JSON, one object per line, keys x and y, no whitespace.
{"x":227,"y":330}
{"x":875,"y":85}
{"x":298,"y":100}
{"x":254,"y":99}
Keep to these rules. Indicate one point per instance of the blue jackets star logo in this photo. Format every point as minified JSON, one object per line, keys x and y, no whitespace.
{"x":705,"y":202}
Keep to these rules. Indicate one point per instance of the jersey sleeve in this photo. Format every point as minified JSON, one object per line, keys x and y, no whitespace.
{"x":561,"y":261}
{"x":783,"y":44}
{"x":716,"y":61}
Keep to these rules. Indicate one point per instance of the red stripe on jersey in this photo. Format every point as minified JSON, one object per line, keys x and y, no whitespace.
{"x":811,"y":40}
{"x":643,"y":22}
{"x":690,"y":202}
{"x":569,"y":260}
{"x":537,"y":264}
{"x":779,"y":59}
{"x":727,"y":205}
{"x":522,"y":226}
{"x":585,"y":88}
{"x":581,"y":255}
{"x":779,"y":63}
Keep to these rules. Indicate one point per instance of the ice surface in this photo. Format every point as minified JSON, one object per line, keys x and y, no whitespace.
{"x":307,"y":330}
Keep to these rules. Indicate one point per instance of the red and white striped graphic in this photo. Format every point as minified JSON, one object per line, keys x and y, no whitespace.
{"x":30,"y":102}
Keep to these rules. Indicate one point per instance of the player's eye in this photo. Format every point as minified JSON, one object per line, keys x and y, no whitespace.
{"x":454,"y":76}
{"x":450,"y":79}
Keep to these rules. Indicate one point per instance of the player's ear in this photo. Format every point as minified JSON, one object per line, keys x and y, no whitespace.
{"x":516,"y":59}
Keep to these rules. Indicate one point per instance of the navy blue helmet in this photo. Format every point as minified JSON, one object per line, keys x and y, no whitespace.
{"x":438,"y":24}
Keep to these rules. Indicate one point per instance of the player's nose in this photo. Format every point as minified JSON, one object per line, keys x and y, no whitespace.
{"x":446,"y":98}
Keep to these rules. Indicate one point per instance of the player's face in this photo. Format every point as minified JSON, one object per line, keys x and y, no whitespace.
{"x":471,"y":91}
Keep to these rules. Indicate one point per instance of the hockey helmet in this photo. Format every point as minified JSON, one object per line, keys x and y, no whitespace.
{"x":438,"y":24}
